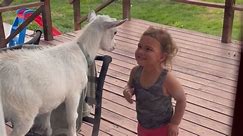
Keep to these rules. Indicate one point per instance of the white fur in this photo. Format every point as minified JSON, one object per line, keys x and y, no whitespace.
{"x":35,"y":82}
{"x":2,"y":126}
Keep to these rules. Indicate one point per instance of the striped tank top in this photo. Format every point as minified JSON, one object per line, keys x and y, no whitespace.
{"x":154,"y":109}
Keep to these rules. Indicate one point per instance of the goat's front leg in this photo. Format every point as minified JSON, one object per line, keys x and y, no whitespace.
{"x":42,"y":124}
{"x":47,"y":124}
{"x":72,"y":103}
{"x":22,"y":125}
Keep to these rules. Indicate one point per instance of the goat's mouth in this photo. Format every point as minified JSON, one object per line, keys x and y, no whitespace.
{"x":112,"y":48}
{"x":108,"y":49}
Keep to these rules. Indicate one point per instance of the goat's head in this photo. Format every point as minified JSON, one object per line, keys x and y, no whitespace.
{"x":109,"y":26}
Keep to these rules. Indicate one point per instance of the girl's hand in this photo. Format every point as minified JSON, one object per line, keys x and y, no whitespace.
{"x":173,"y":129}
{"x":128,"y":93}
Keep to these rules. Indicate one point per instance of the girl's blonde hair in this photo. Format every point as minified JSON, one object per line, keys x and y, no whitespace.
{"x":167,"y":45}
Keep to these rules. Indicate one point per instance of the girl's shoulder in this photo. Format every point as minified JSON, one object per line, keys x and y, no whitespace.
{"x":172,"y":84}
{"x":170,"y":79}
{"x":134,"y":69}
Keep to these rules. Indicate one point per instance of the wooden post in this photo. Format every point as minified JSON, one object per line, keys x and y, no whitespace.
{"x":2,"y":34}
{"x":76,"y":14}
{"x":126,"y":9}
{"x":238,"y":110}
{"x":228,"y":21}
{"x":46,"y":19}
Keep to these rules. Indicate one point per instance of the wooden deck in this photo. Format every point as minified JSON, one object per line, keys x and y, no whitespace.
{"x":206,"y":68}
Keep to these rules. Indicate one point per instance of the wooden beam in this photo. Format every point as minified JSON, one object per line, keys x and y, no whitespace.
{"x":238,"y":7}
{"x":126,"y":5}
{"x":209,"y":4}
{"x":47,"y":22}
{"x":5,"y":3}
{"x":97,"y":9}
{"x":15,"y":7}
{"x":2,"y":34}
{"x":76,"y":14}
{"x":228,"y":21}
{"x":202,"y":3}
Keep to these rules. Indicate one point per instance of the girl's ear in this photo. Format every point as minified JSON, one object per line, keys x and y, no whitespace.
{"x":163,"y":57}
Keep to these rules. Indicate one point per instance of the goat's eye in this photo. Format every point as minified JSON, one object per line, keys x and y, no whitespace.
{"x":115,"y":33}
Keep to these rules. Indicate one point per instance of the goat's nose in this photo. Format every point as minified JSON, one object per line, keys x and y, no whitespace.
{"x":113,"y":48}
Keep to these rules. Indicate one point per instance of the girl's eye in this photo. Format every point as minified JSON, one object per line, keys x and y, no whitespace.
{"x":115,"y":33}
{"x":148,"y":49}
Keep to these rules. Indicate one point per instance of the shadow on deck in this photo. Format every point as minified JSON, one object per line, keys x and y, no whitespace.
{"x":206,"y":68}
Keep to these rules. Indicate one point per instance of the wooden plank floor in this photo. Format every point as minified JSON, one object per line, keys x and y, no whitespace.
{"x":206,"y":68}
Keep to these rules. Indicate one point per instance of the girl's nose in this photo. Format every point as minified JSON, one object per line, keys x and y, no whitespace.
{"x":140,"y":51}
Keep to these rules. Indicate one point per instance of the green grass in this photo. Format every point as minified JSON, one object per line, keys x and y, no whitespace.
{"x":167,"y":12}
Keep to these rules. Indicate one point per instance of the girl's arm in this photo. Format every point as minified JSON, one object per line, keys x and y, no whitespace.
{"x":128,"y":89}
{"x":174,"y":88}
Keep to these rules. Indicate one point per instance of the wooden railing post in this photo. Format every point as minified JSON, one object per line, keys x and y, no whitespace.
{"x":126,"y":9}
{"x":2,"y":34}
{"x":228,"y":21}
{"x":77,"y":15}
{"x":47,"y":22}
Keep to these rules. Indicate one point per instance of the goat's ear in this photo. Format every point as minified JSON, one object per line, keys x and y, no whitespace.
{"x":91,"y":16}
{"x":114,"y":23}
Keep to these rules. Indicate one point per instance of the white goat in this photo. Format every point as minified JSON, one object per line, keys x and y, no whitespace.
{"x":35,"y":82}
{"x":2,"y":126}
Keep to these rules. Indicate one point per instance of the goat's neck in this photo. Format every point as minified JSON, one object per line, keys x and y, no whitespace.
{"x":89,"y":42}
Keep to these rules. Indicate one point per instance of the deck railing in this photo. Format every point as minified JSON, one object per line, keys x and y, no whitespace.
{"x":229,"y":9}
{"x":78,"y":19}
{"x":44,"y":9}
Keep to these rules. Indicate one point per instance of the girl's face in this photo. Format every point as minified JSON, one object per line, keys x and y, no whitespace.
{"x":149,"y":52}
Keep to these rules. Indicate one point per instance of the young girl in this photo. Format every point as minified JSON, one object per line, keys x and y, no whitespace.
{"x":154,"y":86}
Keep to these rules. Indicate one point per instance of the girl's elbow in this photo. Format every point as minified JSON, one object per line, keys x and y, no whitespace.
{"x":182,"y":101}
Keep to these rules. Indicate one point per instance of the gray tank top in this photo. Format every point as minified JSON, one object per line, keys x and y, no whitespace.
{"x":154,"y":109}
